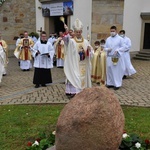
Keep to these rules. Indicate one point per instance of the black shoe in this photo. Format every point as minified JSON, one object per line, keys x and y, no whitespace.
{"x":124,"y":77}
{"x":43,"y":85}
{"x":109,"y":86}
{"x":37,"y":86}
{"x":116,"y":88}
{"x":24,"y":70}
{"x":68,"y":94}
{"x":72,"y":95}
{"x":28,"y":70}
{"x":4,"y":74}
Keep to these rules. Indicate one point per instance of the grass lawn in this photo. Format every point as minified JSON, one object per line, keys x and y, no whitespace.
{"x":22,"y":123}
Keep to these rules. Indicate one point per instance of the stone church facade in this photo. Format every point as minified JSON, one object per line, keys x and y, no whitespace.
{"x":106,"y":13}
{"x":97,"y":16}
{"x":16,"y":16}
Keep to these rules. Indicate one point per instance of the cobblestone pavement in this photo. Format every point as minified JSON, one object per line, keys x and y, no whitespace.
{"x":17,"y":87}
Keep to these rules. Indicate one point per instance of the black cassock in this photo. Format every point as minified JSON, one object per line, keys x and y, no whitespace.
{"x":42,"y":76}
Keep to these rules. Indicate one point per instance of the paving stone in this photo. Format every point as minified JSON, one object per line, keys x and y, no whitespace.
{"x":17,"y":87}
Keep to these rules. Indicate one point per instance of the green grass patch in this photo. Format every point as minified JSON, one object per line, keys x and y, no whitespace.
{"x":22,"y":123}
{"x":137,"y":120}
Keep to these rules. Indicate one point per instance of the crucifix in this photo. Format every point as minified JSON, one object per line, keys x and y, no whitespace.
{"x":40,"y":30}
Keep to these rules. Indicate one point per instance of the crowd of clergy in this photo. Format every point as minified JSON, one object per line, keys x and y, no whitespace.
{"x":108,"y":63}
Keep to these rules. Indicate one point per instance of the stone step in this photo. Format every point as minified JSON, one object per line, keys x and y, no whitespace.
{"x":144,"y":52}
{"x":143,"y":55}
{"x":141,"y":58}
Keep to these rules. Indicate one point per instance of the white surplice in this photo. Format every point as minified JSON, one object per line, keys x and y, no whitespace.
{"x":42,"y":60}
{"x":77,"y":72}
{"x":114,"y":72}
{"x":129,"y":69}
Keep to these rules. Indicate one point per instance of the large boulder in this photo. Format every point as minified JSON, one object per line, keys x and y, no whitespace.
{"x":92,"y":120}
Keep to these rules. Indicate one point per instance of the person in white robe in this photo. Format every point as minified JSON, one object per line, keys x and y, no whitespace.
{"x":2,"y":62}
{"x":129,"y":69}
{"x":21,"y":36}
{"x":77,"y":63}
{"x":52,"y":39}
{"x":115,"y":67}
{"x":5,"y":49}
{"x":43,"y":53}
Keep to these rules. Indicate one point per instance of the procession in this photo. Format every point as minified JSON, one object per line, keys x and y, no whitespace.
{"x":82,"y":64}
{"x":74,"y":75}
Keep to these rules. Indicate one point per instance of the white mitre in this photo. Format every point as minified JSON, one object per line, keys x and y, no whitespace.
{"x":77,"y":25}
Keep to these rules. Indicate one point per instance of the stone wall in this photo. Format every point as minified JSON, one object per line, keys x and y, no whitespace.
{"x":16,"y":16}
{"x":106,"y":13}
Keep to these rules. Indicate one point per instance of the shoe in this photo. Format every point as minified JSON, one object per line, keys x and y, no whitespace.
{"x":124,"y":77}
{"x":28,"y":70}
{"x":68,"y":94}
{"x":4,"y":74}
{"x":116,"y":88}
{"x":43,"y":85}
{"x":37,"y":86}
{"x":72,"y":95}
{"x":109,"y":86}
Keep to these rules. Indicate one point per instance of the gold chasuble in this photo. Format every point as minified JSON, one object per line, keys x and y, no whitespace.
{"x":77,"y":64}
{"x":26,"y":53}
{"x":98,"y":74}
{"x":83,"y":56}
{"x":22,"y":51}
{"x":59,"y":47}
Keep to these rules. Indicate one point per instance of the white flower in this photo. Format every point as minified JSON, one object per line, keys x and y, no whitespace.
{"x":125,"y":135}
{"x":54,"y":132}
{"x":35,"y":143}
{"x":137,"y":145}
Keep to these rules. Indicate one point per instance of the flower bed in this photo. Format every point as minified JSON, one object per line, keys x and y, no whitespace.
{"x":129,"y":142}
{"x":133,"y":142}
{"x":1,"y":2}
{"x":43,"y":142}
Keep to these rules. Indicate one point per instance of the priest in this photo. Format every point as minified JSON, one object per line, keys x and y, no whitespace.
{"x":43,"y":53}
{"x":23,"y":52}
{"x":77,"y":64}
{"x":98,"y":64}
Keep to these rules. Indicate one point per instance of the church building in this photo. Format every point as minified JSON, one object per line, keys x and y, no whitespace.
{"x":97,"y":17}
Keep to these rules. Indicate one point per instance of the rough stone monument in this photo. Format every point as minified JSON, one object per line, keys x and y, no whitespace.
{"x":92,"y":120}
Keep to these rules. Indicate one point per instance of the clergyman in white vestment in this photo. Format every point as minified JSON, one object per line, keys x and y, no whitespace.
{"x":114,"y":70}
{"x":129,"y":69}
{"x":77,"y":64}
